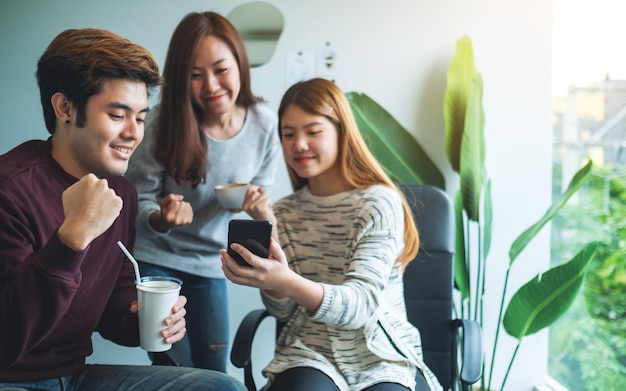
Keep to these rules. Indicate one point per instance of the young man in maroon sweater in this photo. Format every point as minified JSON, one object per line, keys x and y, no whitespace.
{"x":63,"y":207}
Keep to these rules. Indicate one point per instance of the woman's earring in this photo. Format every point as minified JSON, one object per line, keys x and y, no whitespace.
{"x":67,"y":121}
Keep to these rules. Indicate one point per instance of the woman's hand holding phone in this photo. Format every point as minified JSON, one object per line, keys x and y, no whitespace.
{"x":265,"y":273}
{"x":273,"y":276}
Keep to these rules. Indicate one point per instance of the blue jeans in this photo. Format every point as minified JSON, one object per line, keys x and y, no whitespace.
{"x":125,"y":377}
{"x":206,"y":343}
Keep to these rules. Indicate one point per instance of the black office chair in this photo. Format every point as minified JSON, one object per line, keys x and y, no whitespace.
{"x":428,"y":291}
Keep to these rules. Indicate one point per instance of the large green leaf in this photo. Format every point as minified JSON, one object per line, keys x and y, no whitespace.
{"x":460,"y":78}
{"x":522,"y":241}
{"x":461,"y":272}
{"x":473,"y":151}
{"x":395,"y":148}
{"x":542,"y":300}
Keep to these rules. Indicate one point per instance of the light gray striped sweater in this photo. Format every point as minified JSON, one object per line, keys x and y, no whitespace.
{"x":360,"y":334}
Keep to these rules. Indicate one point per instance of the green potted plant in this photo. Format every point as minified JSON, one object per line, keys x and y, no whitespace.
{"x":539,"y":302}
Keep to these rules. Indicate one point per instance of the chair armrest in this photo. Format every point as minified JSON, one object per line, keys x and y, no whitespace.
{"x":471,"y":350}
{"x":240,"y":354}
{"x":242,"y":344}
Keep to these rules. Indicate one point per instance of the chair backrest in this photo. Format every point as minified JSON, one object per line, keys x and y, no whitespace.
{"x":428,"y":280}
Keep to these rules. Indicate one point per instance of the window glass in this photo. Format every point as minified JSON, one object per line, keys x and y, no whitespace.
{"x":588,"y":344}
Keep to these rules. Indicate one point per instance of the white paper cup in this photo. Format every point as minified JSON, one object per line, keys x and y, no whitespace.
{"x":231,"y":195}
{"x":156,"y":295}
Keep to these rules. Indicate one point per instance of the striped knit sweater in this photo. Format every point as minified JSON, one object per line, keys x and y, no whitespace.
{"x":360,"y":335}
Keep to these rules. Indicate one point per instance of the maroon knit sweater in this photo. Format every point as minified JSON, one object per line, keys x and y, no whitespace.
{"x":53,"y":298}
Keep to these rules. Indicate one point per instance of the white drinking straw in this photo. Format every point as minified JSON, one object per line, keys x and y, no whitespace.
{"x":135,"y":264}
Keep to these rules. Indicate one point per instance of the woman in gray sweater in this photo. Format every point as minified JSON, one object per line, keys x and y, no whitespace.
{"x":208,"y":130}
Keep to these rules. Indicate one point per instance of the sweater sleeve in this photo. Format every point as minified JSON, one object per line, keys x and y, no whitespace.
{"x":280,"y":308}
{"x":147,"y":176}
{"x":36,"y":287}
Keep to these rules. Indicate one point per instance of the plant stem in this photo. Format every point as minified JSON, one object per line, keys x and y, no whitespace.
{"x":479,"y":281}
{"x":495,"y":342}
{"x":468,"y":260}
{"x":508,"y":369}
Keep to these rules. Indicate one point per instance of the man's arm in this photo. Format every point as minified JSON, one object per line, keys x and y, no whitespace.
{"x":40,"y":266}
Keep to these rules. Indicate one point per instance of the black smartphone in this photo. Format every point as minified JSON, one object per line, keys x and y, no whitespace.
{"x":253,"y":235}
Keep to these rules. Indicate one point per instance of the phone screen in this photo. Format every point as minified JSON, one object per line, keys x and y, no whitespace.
{"x":253,"y":235}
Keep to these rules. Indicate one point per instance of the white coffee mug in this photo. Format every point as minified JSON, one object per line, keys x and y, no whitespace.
{"x":231,"y":195}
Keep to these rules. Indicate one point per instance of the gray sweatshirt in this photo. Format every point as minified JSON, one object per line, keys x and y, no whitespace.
{"x":251,"y":157}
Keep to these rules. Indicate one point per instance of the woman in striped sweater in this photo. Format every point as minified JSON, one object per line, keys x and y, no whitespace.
{"x":340,"y":244}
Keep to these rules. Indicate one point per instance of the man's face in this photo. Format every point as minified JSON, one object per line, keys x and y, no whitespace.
{"x":113,"y":128}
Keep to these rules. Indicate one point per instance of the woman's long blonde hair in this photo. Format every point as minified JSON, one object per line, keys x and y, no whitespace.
{"x":358,"y":165}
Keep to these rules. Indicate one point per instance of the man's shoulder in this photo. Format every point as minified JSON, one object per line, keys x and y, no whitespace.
{"x":20,"y":158}
{"x":23,"y":152}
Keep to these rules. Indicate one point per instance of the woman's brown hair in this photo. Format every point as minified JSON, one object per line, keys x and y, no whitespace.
{"x":180,"y":146}
{"x":358,"y":166}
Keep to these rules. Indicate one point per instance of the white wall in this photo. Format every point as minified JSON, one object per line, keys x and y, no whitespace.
{"x":395,"y":51}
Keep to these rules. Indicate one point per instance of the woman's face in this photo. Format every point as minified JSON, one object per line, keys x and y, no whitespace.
{"x":311,"y":145}
{"x":215,"y":81}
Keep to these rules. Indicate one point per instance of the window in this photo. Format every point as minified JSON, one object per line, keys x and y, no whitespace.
{"x":588,"y":344}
